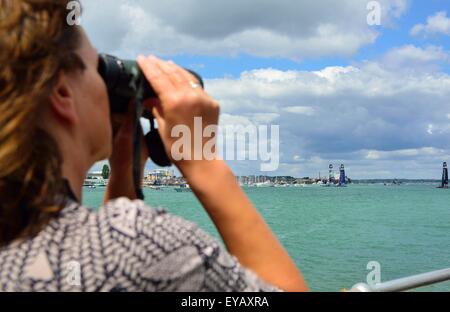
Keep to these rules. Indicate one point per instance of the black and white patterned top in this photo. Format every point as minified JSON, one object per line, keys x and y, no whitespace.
{"x":125,"y":246}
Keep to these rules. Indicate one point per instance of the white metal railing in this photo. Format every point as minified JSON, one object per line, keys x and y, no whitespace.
{"x":406,"y":283}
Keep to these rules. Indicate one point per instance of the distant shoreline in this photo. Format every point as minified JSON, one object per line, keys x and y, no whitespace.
{"x":356,"y":181}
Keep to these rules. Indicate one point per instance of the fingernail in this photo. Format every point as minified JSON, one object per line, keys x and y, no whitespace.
{"x":140,"y":58}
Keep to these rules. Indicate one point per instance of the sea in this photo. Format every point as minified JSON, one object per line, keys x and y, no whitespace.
{"x":336,"y":235}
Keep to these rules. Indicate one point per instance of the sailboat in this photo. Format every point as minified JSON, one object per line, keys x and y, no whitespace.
{"x":444,"y":183}
{"x":342,"y":182}
{"x":330,"y":176}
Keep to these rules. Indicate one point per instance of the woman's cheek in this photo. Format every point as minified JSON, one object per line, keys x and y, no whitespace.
{"x":104,"y":99}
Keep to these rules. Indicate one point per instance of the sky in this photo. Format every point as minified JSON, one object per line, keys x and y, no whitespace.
{"x":374,"y":97}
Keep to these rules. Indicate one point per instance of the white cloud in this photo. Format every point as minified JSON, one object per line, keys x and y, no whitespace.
{"x":265,"y":118}
{"x":301,"y":110}
{"x":373,"y":155}
{"x":284,"y":28}
{"x":398,"y":7}
{"x":436,"y":24}
{"x":410,"y":53}
{"x":404,"y":153}
{"x":334,"y":73}
{"x":412,"y":58}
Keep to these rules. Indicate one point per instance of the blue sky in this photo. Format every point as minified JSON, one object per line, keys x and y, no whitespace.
{"x":376,"y":98}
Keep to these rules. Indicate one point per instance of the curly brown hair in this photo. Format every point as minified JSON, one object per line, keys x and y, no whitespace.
{"x":36,"y":45}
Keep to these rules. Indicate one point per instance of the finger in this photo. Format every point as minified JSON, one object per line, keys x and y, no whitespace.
{"x":157,"y":78}
{"x":190,"y":78}
{"x":171,"y":70}
{"x":187,"y":76}
{"x":158,"y":114}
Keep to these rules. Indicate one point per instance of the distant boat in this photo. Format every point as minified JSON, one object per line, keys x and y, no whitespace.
{"x":444,"y":182}
{"x":393,"y":183}
{"x":331,"y":180}
{"x":330,"y":175}
{"x":265,"y":184}
{"x":183,"y":188}
{"x":342,"y":182}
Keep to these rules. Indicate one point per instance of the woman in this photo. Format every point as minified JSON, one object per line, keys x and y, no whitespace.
{"x":55,"y":124}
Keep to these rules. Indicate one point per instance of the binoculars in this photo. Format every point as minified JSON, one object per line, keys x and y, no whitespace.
{"x":125,"y":82}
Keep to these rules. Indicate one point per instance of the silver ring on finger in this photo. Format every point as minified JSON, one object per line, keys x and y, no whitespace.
{"x":194,"y":85}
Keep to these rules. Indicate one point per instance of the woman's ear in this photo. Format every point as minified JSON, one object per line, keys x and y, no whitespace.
{"x":63,"y":101}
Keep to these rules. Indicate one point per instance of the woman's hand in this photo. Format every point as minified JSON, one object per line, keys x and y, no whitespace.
{"x":121,"y":181}
{"x":179,"y":103}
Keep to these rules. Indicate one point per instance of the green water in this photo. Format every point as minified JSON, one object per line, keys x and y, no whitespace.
{"x":332,"y":233}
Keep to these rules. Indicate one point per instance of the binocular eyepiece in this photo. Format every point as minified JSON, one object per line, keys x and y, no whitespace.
{"x":126,"y":82}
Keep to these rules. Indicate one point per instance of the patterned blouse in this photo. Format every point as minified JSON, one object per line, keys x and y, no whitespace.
{"x":125,"y":246}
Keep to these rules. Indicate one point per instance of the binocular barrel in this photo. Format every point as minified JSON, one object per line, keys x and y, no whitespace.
{"x":123,"y":78}
{"x":126,"y":82}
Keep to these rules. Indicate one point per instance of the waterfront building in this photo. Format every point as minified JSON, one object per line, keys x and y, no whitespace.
{"x":95,"y":179}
